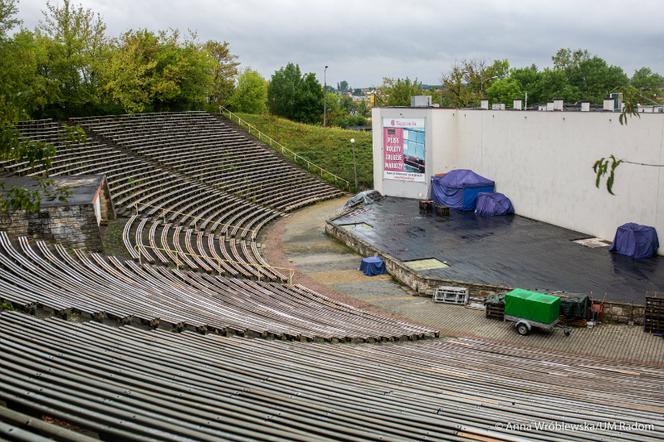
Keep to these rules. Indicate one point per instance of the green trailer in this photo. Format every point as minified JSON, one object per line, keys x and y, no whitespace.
{"x":528,"y":310}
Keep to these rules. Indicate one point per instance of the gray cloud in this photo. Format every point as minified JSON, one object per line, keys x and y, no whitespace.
{"x":363,"y":41}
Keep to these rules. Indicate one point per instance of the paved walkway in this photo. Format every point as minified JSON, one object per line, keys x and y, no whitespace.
{"x":326,"y":265}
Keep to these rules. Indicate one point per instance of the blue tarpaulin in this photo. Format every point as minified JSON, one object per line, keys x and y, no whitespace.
{"x":458,"y":188}
{"x":493,"y":204}
{"x":373,"y":266}
{"x":636,"y":241}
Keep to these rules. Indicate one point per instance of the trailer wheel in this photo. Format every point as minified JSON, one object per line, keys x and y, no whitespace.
{"x":522,"y":328}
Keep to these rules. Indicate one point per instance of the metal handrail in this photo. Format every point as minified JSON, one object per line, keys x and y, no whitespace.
{"x":291,"y":271}
{"x":284,"y":150}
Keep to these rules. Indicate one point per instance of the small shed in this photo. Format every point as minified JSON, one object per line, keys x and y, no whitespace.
{"x":458,"y":189}
{"x":73,"y":221}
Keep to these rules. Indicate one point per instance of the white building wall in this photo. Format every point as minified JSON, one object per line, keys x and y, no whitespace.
{"x":543,"y":162}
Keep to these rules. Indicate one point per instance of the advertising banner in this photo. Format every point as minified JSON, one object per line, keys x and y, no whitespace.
{"x":403,"y":149}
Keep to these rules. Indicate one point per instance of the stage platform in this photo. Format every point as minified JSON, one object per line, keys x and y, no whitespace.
{"x":510,"y":251}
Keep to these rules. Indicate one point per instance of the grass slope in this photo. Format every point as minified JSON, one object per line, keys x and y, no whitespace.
{"x":328,"y":147}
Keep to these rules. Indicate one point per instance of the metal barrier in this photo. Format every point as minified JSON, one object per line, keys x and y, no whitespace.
{"x":284,"y":150}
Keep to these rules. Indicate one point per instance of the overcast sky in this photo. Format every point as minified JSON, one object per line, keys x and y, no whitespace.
{"x":363,"y":41}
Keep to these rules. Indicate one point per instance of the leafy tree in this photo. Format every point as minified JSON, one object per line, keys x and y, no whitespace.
{"x":342,"y":111}
{"x":555,"y":85}
{"x":343,"y":87}
{"x":565,"y":58}
{"x":309,"y":100}
{"x":282,"y":91}
{"x":505,"y":90}
{"x":148,"y":71}
{"x":591,"y":76}
{"x":466,"y":84}
{"x":530,"y":81}
{"x":127,"y":71}
{"x":224,"y":71}
{"x":397,"y":92}
{"x":8,"y":19}
{"x":650,"y":85}
{"x":183,"y":77}
{"x":18,"y":92}
{"x":250,"y":94}
{"x":73,"y":38}
{"x":295,"y":96}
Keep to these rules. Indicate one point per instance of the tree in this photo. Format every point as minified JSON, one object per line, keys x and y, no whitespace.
{"x":309,"y":101}
{"x":250,"y":94}
{"x":224,"y":71}
{"x":466,"y":84}
{"x":127,"y":71}
{"x":185,"y":74}
{"x":8,"y":20}
{"x":18,"y":90}
{"x":343,"y":87}
{"x":73,"y":38}
{"x":295,"y":96}
{"x":555,"y":85}
{"x":589,"y":76}
{"x":650,"y":85}
{"x":397,"y":92}
{"x":565,"y":58}
{"x":148,"y":71}
{"x":505,"y":90}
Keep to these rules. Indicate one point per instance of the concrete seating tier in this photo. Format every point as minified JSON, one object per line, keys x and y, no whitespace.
{"x":138,"y":185}
{"x":128,"y":383}
{"x":206,"y":148}
{"x":34,"y":275}
{"x":153,"y":241}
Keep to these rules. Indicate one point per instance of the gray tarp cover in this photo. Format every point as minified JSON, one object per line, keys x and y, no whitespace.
{"x":367,"y":197}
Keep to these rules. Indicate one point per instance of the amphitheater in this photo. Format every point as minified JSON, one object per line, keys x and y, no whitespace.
{"x":194,"y":335}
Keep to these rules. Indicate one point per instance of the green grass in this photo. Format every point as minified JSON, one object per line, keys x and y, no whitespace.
{"x":327,"y":147}
{"x":111,"y":238}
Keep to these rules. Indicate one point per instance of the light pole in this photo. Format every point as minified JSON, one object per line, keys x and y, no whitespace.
{"x":352,"y":143}
{"x":325,"y":96}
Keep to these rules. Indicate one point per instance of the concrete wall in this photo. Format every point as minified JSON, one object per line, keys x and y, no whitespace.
{"x":543,"y":162}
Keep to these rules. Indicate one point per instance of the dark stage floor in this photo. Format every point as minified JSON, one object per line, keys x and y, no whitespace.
{"x":512,"y":251}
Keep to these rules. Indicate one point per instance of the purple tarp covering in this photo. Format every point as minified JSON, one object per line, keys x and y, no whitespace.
{"x":493,"y":204}
{"x":636,"y":241}
{"x":372,"y":266}
{"x":458,"y":188}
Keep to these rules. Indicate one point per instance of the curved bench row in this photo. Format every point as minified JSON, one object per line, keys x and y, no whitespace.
{"x":205,"y":148}
{"x":138,"y":185}
{"x":153,"y":241}
{"x":107,"y":288}
{"x":125,"y":383}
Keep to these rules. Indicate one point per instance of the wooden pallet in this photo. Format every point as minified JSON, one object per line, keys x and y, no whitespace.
{"x":653,"y":321}
{"x":495,"y":311}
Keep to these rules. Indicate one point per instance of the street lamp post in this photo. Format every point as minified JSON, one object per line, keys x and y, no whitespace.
{"x":324,"y":96}
{"x":352,"y":143}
